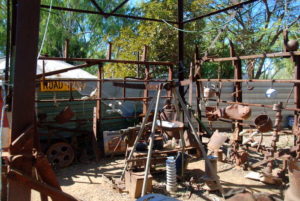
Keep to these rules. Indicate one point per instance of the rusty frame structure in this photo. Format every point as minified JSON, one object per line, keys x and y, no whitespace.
{"x":24,"y":155}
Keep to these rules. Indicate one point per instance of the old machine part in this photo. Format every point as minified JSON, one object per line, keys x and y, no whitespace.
{"x":293,"y":193}
{"x":292,"y":45}
{"x":216,"y":141}
{"x":60,"y":154}
{"x":277,"y":108}
{"x":65,"y":115}
{"x":237,"y":112}
{"x":209,"y":92}
{"x":171,"y":174}
{"x":210,"y":181}
{"x":171,"y":128}
{"x":263,"y":123}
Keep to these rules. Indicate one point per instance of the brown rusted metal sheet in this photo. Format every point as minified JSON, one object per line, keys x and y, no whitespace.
{"x":23,"y":115}
{"x":27,"y":182}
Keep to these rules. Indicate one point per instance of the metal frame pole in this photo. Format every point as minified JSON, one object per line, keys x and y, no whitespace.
{"x":138,"y":136}
{"x":148,"y":163}
{"x":185,"y":111}
{"x":180,"y":46}
{"x":23,"y":115}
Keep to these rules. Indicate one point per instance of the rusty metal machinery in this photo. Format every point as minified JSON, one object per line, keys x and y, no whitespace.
{"x":60,"y":154}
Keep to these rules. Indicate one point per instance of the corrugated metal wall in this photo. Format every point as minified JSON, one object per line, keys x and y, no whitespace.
{"x":257,"y":95}
{"x":83,"y":111}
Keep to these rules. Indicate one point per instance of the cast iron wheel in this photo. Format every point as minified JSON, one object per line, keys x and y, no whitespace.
{"x":60,"y":154}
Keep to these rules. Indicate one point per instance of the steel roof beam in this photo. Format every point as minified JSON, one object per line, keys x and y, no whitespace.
{"x":106,"y":14}
{"x":97,"y":6}
{"x":119,"y":6}
{"x":238,"y":5}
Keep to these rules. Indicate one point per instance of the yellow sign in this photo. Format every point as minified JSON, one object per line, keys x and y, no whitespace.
{"x":52,"y":85}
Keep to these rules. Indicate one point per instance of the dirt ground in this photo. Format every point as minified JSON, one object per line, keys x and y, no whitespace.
{"x":91,"y":181}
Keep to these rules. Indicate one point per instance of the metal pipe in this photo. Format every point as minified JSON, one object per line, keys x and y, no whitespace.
{"x":265,"y":55}
{"x":99,"y":80}
{"x":96,"y":99}
{"x":89,"y":60}
{"x":138,"y":137}
{"x":247,"y":80}
{"x":238,"y":5}
{"x":148,"y":162}
{"x":183,"y":106}
{"x":255,"y":105}
{"x":180,"y":45}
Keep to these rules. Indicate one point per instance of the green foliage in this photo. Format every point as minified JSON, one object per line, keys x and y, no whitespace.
{"x":256,"y":28}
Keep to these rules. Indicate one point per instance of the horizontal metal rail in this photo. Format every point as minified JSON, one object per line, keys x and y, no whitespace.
{"x":102,"y":99}
{"x":102,"y":80}
{"x":257,"y":56}
{"x":253,"y":104}
{"x":89,"y":60}
{"x":248,"y":80}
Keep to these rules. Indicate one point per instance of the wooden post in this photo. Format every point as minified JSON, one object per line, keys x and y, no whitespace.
{"x":147,"y":77}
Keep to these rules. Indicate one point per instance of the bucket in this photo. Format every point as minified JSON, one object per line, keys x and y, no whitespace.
{"x":263,"y":123}
{"x":290,"y":121}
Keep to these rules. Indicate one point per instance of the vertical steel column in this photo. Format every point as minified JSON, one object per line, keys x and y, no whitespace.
{"x":238,"y":94}
{"x":296,"y":60}
{"x":170,"y":78}
{"x":66,"y":49}
{"x":99,"y":115}
{"x":23,"y":115}
{"x":147,"y":77}
{"x":180,"y":47}
{"x":8,"y":28}
{"x":198,"y":85}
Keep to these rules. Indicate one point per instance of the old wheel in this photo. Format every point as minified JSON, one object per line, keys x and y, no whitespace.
{"x":60,"y":154}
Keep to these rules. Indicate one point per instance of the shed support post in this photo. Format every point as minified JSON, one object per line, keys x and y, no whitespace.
{"x":98,"y":131}
{"x":147,"y":77}
{"x":238,"y":94}
{"x":23,"y":112}
{"x":180,"y":47}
